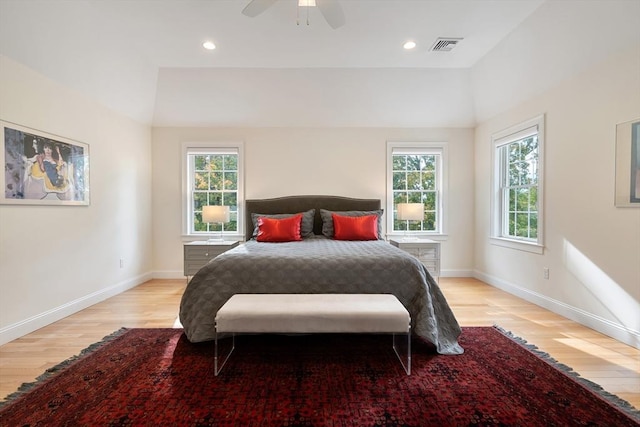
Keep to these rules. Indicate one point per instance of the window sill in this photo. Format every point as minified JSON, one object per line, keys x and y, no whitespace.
{"x":201,"y":237}
{"x":534,"y":248}
{"x":432,"y":236}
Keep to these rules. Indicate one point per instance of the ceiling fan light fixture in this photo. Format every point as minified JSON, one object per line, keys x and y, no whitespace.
{"x":330,"y":10}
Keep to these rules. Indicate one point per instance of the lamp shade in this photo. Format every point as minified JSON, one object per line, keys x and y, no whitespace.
{"x":215,"y":214}
{"x":410,"y":211}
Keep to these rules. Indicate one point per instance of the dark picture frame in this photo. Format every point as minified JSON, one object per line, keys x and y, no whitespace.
{"x":628,"y":164}
{"x":634,"y":194}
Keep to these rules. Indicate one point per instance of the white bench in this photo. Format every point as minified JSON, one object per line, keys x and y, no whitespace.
{"x":313,"y":313}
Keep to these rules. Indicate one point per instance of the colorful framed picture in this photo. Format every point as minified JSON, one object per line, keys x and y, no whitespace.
{"x":42,"y":169}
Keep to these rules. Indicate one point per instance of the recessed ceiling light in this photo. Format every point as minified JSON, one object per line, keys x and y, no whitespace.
{"x":409,"y":44}
{"x":209,"y":45}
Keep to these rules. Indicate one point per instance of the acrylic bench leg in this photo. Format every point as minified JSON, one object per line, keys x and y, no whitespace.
{"x":217,"y":365}
{"x":406,"y":365}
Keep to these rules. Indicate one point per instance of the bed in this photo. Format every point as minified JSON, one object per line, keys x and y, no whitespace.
{"x":318,"y":264}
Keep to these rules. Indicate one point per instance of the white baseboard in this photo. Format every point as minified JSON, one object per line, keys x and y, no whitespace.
{"x":456,"y":273}
{"x":26,"y":326}
{"x":602,"y":325}
{"x":169,"y":274}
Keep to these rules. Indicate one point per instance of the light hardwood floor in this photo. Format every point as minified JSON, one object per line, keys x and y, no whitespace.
{"x":613,"y":365}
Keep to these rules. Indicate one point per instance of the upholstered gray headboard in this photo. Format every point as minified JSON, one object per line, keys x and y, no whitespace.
{"x":295,"y":204}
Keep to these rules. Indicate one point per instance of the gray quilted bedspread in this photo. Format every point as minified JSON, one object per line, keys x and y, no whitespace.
{"x":320,"y":265}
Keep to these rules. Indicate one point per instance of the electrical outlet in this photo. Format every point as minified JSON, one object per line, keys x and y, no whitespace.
{"x":121,"y":262}
{"x":545,"y":273}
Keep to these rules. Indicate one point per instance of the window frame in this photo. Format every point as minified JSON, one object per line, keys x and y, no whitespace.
{"x":439,"y":149}
{"x":187,"y":201}
{"x":499,"y":206}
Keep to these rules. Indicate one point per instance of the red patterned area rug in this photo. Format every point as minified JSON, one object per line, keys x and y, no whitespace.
{"x":155,"y":377}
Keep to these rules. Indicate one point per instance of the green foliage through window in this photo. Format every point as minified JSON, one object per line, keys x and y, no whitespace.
{"x":214,"y":182}
{"x":520,"y":188}
{"x":415,"y":180}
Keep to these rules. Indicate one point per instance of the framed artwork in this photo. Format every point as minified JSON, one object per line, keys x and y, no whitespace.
{"x":628,"y":164}
{"x":42,"y":169}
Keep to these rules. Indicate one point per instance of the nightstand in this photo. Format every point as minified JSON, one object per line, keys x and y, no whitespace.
{"x":198,"y":254}
{"x":427,"y":251}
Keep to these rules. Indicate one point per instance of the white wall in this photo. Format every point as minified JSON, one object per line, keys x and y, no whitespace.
{"x":55,"y":260}
{"x":557,"y":41}
{"x":592,"y":247}
{"x":293,"y":161}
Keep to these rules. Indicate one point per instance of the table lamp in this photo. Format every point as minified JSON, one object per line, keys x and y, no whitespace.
{"x":216,"y":214}
{"x":410,"y":212}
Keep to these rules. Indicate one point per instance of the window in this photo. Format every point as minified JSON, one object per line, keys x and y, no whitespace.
{"x":213,"y":176}
{"x":517,"y":186}
{"x":415,"y":175}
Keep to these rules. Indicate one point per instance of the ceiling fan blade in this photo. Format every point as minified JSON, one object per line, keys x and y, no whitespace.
{"x":332,"y":12}
{"x":256,"y":7}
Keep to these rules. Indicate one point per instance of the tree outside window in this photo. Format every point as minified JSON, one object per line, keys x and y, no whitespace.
{"x":520,"y":188}
{"x":215,"y":182}
{"x":416,"y":174}
{"x":415,"y":180}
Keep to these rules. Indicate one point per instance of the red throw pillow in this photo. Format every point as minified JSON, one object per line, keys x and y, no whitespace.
{"x":279,"y":230}
{"x":355,"y":227}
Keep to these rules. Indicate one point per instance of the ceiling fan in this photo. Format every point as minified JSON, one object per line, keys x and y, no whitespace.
{"x":330,"y":9}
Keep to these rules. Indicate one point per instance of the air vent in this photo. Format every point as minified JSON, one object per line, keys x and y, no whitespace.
{"x":445,"y":44}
